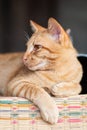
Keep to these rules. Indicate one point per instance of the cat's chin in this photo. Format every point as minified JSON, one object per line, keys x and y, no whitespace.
{"x":34,"y":69}
{"x":40,"y":66}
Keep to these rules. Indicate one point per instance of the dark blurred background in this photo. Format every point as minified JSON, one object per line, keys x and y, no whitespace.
{"x":15,"y":16}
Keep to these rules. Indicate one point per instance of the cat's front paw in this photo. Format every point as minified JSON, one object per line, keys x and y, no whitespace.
{"x":48,"y":108}
{"x":50,"y":114}
{"x":65,"y":89}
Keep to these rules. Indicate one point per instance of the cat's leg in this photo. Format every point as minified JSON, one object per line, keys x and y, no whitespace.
{"x":65,"y":89}
{"x":39,"y":96}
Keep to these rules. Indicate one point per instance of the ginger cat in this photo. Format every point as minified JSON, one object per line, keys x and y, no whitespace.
{"x":49,"y":63}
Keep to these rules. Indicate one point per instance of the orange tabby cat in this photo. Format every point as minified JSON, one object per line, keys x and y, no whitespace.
{"x":49,"y":63}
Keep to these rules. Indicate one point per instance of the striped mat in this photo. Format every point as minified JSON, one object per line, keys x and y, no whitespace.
{"x":21,"y":114}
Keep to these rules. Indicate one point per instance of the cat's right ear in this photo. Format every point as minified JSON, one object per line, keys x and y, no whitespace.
{"x":55,"y":29}
{"x":36,"y":27}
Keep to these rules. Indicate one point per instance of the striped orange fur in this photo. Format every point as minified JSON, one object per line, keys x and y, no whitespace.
{"x":49,"y":62}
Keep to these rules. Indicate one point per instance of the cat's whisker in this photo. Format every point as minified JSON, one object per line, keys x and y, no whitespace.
{"x":26,"y":36}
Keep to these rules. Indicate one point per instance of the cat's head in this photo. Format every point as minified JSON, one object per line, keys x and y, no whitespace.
{"x":46,"y":45}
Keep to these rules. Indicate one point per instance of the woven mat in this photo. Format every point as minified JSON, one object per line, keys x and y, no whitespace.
{"x":21,"y":114}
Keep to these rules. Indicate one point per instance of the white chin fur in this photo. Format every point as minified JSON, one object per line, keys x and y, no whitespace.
{"x":38,"y":67}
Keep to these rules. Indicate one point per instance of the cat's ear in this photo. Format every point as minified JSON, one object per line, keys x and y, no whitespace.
{"x":36,"y":27}
{"x":55,"y":29}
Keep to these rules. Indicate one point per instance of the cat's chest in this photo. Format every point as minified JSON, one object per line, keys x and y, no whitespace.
{"x":41,"y":78}
{"x":47,"y":79}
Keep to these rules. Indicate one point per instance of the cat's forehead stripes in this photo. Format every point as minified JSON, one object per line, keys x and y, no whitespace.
{"x":46,"y":42}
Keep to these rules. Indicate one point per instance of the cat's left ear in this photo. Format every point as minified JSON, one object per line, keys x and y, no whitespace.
{"x":55,"y":29}
{"x":36,"y":27}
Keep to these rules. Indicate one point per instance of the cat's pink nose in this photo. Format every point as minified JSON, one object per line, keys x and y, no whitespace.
{"x":24,"y":59}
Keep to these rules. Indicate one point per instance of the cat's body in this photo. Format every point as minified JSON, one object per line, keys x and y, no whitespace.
{"x":50,"y":64}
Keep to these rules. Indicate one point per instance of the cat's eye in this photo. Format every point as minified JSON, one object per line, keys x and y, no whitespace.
{"x":37,"y":47}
